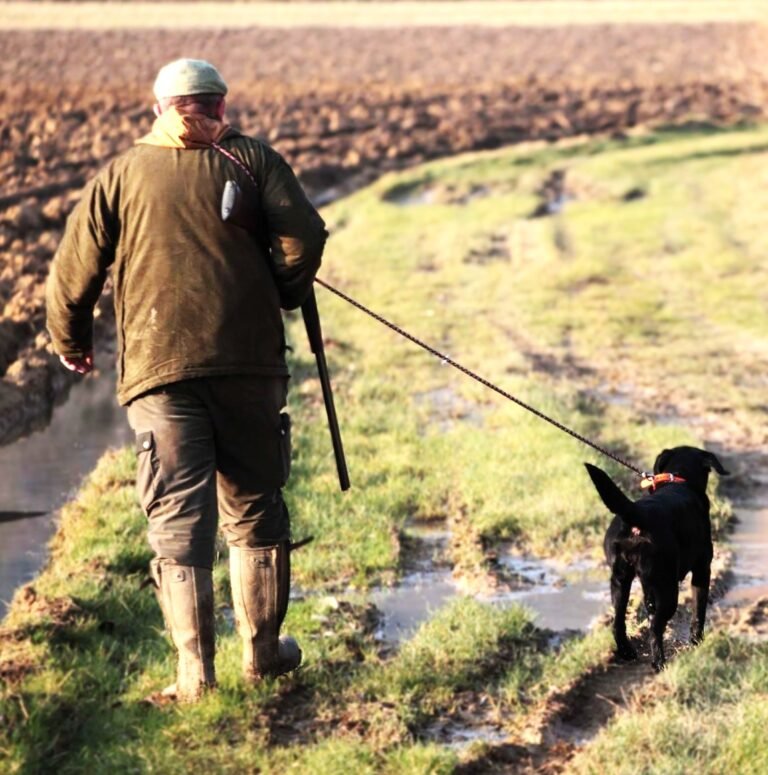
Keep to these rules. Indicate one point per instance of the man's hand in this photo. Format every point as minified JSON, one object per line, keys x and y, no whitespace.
{"x":80,"y":365}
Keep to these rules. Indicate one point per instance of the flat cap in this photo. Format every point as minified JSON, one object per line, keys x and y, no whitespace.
{"x":188,"y":76}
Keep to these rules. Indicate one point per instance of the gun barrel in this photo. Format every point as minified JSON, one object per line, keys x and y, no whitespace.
{"x":315,"y":336}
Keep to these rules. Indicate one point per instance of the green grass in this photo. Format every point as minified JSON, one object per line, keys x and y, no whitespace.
{"x":711,"y":717}
{"x":662,"y":296}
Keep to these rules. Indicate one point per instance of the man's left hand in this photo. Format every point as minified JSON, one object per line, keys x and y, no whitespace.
{"x":80,"y":365}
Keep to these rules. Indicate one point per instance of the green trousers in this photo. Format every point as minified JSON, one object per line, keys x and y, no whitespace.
{"x":212,"y":451}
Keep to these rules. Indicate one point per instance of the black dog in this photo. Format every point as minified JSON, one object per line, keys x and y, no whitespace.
{"x":660,"y":538}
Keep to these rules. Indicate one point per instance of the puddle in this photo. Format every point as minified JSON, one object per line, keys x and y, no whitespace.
{"x":750,"y":565}
{"x":560,"y":597}
{"x":40,"y":473}
{"x":458,"y":736}
{"x":422,"y":591}
{"x":406,"y":607}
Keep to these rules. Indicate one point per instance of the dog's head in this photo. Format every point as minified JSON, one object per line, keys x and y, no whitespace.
{"x":690,"y":463}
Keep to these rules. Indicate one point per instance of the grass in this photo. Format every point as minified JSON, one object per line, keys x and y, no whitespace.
{"x":100,"y":15}
{"x":661,"y":294}
{"x":710,"y":716}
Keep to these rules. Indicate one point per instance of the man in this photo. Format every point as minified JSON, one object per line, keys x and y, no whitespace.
{"x":201,"y":354}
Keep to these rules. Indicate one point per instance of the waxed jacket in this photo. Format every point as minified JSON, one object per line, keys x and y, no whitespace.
{"x":194,"y":296}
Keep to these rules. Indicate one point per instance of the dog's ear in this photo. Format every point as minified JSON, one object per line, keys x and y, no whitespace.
{"x":661,"y":461}
{"x":710,"y":460}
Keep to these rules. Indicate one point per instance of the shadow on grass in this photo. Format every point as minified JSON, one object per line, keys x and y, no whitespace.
{"x":71,"y":708}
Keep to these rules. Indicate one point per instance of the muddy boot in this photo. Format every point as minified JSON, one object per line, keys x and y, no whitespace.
{"x":186,"y":599}
{"x":260,"y":586}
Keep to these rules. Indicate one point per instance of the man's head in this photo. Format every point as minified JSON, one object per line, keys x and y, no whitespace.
{"x":191,"y":86}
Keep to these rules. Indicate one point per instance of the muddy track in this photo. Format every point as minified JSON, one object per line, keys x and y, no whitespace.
{"x":567,"y":720}
{"x":356,"y":104}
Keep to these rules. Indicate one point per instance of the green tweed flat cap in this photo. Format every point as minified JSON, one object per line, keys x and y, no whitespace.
{"x":188,"y":76}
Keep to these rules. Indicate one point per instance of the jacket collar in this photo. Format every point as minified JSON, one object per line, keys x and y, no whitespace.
{"x":172,"y":129}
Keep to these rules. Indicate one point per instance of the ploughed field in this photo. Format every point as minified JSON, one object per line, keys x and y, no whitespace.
{"x":341,"y":105}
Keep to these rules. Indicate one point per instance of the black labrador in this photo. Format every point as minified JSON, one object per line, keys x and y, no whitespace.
{"x":660,"y":538}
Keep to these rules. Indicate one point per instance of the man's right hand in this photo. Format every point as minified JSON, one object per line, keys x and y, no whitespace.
{"x":80,"y":365}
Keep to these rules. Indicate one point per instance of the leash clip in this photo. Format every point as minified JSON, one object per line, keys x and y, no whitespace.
{"x":648,"y":481}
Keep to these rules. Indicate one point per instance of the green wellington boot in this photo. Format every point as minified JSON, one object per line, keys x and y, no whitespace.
{"x":186,"y":599}
{"x":260,"y":587}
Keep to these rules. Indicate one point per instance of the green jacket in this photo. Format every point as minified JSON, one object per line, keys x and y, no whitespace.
{"x":194,"y":296}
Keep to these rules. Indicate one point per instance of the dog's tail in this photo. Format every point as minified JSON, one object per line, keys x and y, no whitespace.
{"x":613,"y":497}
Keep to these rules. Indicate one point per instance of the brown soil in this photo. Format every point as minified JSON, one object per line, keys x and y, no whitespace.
{"x":354,"y":104}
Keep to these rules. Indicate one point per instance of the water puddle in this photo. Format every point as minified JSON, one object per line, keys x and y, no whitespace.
{"x":750,"y":566}
{"x":459,"y":736}
{"x":406,"y":607}
{"x":42,"y":471}
{"x":561,"y":597}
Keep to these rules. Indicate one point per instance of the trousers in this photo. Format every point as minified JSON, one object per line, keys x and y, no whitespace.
{"x":212,"y":451}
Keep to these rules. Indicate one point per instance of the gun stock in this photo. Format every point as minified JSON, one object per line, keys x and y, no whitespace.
{"x":315,"y":335}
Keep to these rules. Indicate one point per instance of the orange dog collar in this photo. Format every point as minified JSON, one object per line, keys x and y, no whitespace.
{"x":652,"y":481}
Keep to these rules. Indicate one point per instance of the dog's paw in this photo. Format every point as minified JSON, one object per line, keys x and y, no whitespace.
{"x":658,"y":665}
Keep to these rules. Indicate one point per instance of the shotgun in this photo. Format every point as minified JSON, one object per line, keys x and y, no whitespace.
{"x":12,"y":516}
{"x":315,"y":336}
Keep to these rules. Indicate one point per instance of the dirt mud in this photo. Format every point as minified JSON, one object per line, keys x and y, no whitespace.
{"x":352,"y":105}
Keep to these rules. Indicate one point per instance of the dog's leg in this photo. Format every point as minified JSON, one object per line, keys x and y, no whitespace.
{"x":664,"y":611}
{"x":658,"y":625}
{"x":621,"y":583}
{"x":700,"y":594}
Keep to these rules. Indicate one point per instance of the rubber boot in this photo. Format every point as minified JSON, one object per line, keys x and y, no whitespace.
{"x":260,"y":587}
{"x":186,"y":599}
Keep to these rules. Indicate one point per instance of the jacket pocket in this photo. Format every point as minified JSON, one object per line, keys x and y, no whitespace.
{"x":147,"y":469}
{"x":285,"y":445}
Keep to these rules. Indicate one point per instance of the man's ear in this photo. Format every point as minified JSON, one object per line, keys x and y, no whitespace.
{"x":157,"y":109}
{"x":220,"y":108}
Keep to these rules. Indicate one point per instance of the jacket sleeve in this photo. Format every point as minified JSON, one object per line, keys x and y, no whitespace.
{"x":78,"y":272}
{"x":296,"y":232}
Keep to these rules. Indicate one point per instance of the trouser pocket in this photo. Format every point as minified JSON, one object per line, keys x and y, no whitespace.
{"x":285,"y":445}
{"x":147,"y":469}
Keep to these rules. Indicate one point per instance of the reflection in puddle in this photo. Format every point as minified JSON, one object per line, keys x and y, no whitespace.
{"x":41,"y":472}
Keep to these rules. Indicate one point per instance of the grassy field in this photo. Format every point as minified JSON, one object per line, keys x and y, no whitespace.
{"x":94,"y":15}
{"x":646,"y":282}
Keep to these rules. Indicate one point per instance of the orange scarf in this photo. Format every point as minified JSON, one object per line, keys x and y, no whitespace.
{"x":184,"y":130}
